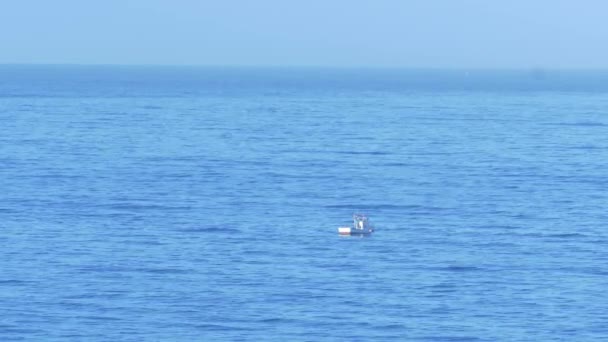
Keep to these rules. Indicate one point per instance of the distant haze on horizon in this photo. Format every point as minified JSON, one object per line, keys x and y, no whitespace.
{"x":549,"y":34}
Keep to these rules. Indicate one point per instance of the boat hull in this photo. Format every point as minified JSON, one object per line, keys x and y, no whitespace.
{"x":344,"y":230}
{"x":351,"y":231}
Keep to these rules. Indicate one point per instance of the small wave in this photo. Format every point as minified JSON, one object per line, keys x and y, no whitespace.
{"x":384,"y":206}
{"x":392,"y":327}
{"x":202,"y":230}
{"x":498,"y":226}
{"x":151,"y":107}
{"x":15,"y":282}
{"x":275,"y":320}
{"x":567,"y":235}
{"x":579,"y":124}
{"x":120,"y":269}
{"x":143,"y":242}
{"x":587,"y":147}
{"x":186,"y":158}
{"x":450,"y":338}
{"x":371,"y":153}
{"x":163,"y":270}
{"x":21,"y":331}
{"x":57,"y":176}
{"x":99,"y":318}
{"x":460,"y":268}
{"x":556,"y":235}
{"x":142,"y":207}
{"x":292,"y":176}
{"x":219,"y":327}
{"x":398,"y":164}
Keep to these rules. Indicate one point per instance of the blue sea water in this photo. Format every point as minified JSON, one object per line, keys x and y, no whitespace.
{"x":202,"y":204}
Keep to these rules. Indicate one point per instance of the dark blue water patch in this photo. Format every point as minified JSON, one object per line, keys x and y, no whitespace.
{"x":553,"y":236}
{"x":589,"y":148}
{"x":151,"y":107}
{"x":188,"y":158}
{"x":371,"y":153}
{"x":98,"y":318}
{"x":142,"y":242}
{"x":595,"y":271}
{"x":56,"y":177}
{"x":400,"y":164}
{"x":16,"y":282}
{"x":496,"y":245}
{"x":459,"y":269}
{"x":374,"y":207}
{"x":209,"y":230}
{"x":567,"y":236}
{"x":20,"y":331}
{"x":498,"y":227}
{"x":448,"y":338}
{"x":167,"y":271}
{"x":71,"y":299}
{"x":142,"y":207}
{"x":132,"y":269}
{"x":275,"y":175}
{"x":275,"y":320}
{"x":590,"y":124}
{"x":384,"y":327}
{"x":219,"y":327}
{"x":436,"y":153}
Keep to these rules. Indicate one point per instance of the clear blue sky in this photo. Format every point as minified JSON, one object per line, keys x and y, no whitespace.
{"x":384,"y":33}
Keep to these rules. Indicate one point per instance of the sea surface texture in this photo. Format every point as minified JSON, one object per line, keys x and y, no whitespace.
{"x":202,"y":204}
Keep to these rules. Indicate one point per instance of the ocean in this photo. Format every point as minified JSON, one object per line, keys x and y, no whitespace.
{"x":150,"y":203}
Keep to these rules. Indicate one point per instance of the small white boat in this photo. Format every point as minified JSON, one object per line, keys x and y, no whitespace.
{"x":361,"y":225}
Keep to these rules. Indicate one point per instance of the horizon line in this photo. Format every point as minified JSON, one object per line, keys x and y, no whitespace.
{"x":312,"y":66}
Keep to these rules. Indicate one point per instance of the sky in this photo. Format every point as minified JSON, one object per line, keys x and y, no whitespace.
{"x":552,"y":34}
